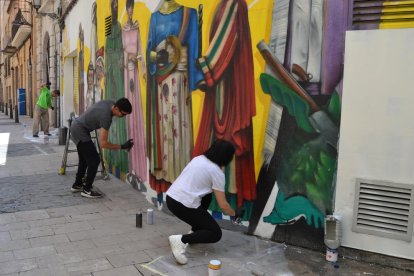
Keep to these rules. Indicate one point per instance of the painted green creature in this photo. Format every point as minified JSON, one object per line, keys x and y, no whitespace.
{"x":305,"y":177}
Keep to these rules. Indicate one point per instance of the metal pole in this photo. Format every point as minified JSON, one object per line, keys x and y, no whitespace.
{"x":11,"y":109}
{"x":16,"y":114}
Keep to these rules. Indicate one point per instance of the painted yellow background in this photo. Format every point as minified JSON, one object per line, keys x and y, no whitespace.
{"x":260,"y":18}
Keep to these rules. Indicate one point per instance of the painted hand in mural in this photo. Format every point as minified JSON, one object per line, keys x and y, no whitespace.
{"x":289,"y":210}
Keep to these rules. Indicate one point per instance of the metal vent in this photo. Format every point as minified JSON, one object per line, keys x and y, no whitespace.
{"x":369,"y":14}
{"x":108,"y":26}
{"x":384,"y":209}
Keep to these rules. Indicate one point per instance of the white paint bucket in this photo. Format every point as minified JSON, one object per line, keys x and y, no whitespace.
{"x":214,"y":268}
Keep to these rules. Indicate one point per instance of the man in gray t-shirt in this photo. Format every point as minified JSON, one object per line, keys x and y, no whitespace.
{"x":98,"y":116}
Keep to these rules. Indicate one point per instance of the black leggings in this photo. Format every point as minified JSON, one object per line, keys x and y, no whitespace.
{"x":88,"y":160}
{"x":205,"y":228}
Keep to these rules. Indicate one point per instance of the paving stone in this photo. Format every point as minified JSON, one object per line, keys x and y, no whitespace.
{"x":71,"y":227}
{"x":7,"y":218}
{"x":59,"y":270}
{"x":14,"y":226}
{"x":110,"y":240}
{"x":14,"y":245}
{"x":124,"y":271}
{"x":125,"y":259}
{"x":34,"y":252}
{"x":6,"y":256}
{"x":17,"y":266}
{"x":31,"y":215}
{"x":49,"y":240}
{"x":46,"y":222}
{"x":5,"y":236}
{"x":31,"y":233}
{"x":88,"y":266}
{"x":74,"y":246}
{"x":84,"y":217}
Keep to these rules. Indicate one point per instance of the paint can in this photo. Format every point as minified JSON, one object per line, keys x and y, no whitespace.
{"x":150,"y":216}
{"x":214,"y":268}
{"x":331,"y":255}
{"x":138,"y":220}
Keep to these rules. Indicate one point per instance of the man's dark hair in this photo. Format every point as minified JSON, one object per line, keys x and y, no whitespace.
{"x":124,"y":105}
{"x":220,"y":152}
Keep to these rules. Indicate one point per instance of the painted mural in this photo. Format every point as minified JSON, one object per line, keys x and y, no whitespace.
{"x":229,"y":103}
{"x":81,"y":71}
{"x":263,"y":74}
{"x":133,"y":56}
{"x":115,"y":89}
{"x":172,"y":50}
{"x":296,"y":182}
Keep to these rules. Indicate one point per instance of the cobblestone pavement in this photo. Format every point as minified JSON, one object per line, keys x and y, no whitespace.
{"x":47,"y":230}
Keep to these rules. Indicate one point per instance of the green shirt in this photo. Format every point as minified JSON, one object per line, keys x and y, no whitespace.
{"x":45,"y":99}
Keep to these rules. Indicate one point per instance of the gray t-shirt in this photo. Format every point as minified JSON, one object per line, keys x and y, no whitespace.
{"x":95,"y":117}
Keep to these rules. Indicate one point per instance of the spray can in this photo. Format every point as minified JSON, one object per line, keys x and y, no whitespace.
{"x":150,"y":216}
{"x":214,"y":268}
{"x":138,"y":219}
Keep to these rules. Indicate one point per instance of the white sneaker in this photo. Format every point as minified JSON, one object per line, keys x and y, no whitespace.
{"x":178,"y":248}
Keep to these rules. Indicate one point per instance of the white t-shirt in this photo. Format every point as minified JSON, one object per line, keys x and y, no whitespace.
{"x":198,"y":179}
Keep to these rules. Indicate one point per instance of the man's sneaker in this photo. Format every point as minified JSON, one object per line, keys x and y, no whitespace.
{"x":90,"y":194}
{"x":48,"y":134}
{"x":35,"y":135}
{"x":178,"y":248}
{"x":76,"y":188}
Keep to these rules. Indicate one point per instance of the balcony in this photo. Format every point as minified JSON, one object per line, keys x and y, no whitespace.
{"x":8,"y":49}
{"x":21,"y":29}
{"x":22,"y":33}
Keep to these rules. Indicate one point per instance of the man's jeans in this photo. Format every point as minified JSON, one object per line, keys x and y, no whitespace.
{"x":89,"y":160}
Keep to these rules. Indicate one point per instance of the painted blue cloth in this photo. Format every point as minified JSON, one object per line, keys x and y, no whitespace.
{"x":164,"y":25}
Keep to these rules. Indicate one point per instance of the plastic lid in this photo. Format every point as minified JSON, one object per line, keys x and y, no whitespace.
{"x":214,"y":264}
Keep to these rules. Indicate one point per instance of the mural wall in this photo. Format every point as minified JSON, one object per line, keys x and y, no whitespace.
{"x":263,"y":74}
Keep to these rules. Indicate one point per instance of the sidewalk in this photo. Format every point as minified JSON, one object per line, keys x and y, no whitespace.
{"x":47,"y":230}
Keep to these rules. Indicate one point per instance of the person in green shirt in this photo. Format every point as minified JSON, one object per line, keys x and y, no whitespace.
{"x":41,"y":114}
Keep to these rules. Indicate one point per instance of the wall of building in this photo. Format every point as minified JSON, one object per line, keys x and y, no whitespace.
{"x":375,"y":144}
{"x":78,"y":19}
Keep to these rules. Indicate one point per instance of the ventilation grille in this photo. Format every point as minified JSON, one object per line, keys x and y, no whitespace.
{"x":375,"y":14}
{"x":108,"y":26}
{"x":384,"y":209}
